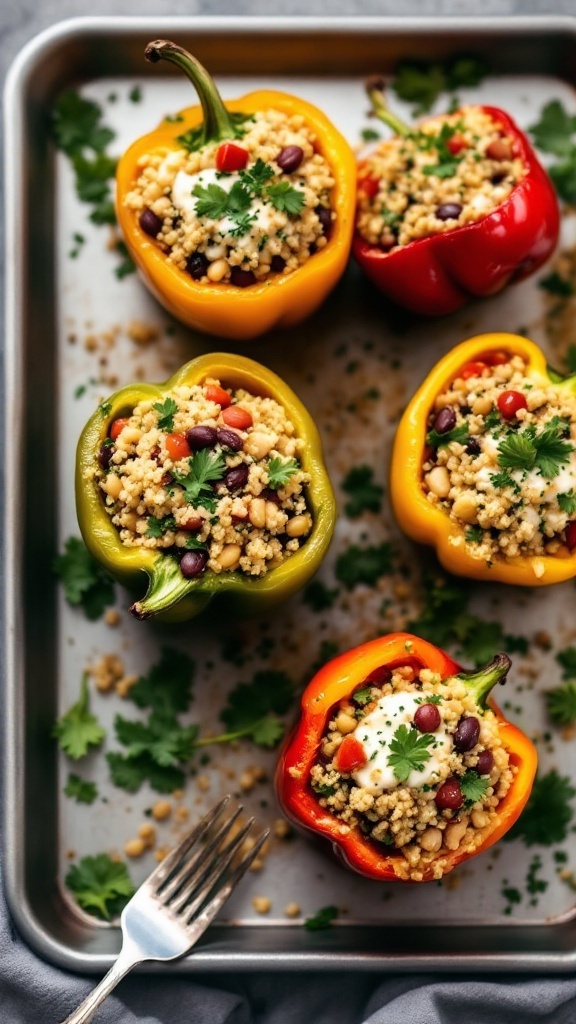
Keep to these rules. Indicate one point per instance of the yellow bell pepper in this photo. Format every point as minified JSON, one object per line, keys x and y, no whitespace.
{"x":430,"y":524}
{"x":278,"y":300}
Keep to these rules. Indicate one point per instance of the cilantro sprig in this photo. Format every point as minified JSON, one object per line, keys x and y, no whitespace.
{"x":458,"y":433}
{"x":280,"y":471}
{"x":409,"y":751}
{"x":421,"y":82}
{"x":80,"y":790}
{"x":364,"y":493}
{"x":86,"y":584}
{"x":77,"y":729}
{"x":561,"y":703}
{"x":473,"y":786}
{"x":205,"y":467}
{"x":548,"y":813}
{"x":554,"y":133}
{"x":546,"y":451}
{"x":166,"y":411}
{"x":216,"y":203}
{"x":100,"y":885}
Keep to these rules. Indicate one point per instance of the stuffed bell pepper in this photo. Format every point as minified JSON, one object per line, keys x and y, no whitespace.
{"x":484,"y":463}
{"x":402,"y":761}
{"x":452,"y":209}
{"x":211,"y":484}
{"x":239,"y":216}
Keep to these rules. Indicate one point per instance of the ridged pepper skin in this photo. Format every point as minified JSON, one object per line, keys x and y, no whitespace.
{"x":337,"y":680}
{"x":171,"y":597}
{"x":439,"y":274}
{"x":429,"y":525}
{"x":279,"y":301}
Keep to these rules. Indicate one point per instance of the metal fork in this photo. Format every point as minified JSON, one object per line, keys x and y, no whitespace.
{"x":174,"y":906}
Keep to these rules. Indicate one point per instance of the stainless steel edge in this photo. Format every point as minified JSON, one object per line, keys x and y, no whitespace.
{"x":324,"y":951}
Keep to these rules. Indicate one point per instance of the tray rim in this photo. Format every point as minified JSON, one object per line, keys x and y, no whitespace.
{"x":19,"y":905}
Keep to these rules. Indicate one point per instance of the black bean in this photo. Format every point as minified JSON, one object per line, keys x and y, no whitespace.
{"x":445,"y":420}
{"x":427,"y":718}
{"x":105,"y":455}
{"x":467,"y":733}
{"x":236,"y":478}
{"x":277,"y":264}
{"x":193,"y":563}
{"x":201,"y":437}
{"x":484,"y":763}
{"x":325,"y":217}
{"x":167,"y":479}
{"x":449,"y":796}
{"x":150,"y":223}
{"x":197,"y":265}
{"x":290,"y":158}
{"x":449,"y":211}
{"x":269,"y":495}
{"x":229,"y":439}
{"x":242,"y":278}
{"x":473,"y":446}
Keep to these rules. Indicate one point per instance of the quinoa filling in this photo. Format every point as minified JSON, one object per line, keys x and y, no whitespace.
{"x":411,"y":761}
{"x":451,"y":171}
{"x":501,"y":460}
{"x":238,"y":213}
{"x":210,"y":475}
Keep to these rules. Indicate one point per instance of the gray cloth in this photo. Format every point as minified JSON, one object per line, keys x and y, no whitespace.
{"x":32,"y":991}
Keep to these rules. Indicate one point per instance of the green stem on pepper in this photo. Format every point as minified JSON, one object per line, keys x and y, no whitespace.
{"x":479,"y":684}
{"x":167,"y":587}
{"x":375,"y":88}
{"x":217,"y":124}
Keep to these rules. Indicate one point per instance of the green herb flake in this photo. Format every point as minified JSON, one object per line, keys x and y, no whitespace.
{"x":366,"y":565}
{"x":474,"y":535}
{"x":80,"y":790}
{"x":166,"y":411}
{"x":365,"y":494}
{"x":409,"y":751}
{"x":548,"y":813}
{"x":458,"y":433}
{"x":135,"y":94}
{"x":473,"y":786}
{"x":554,"y":284}
{"x":566,"y":658}
{"x":322,"y":919}
{"x":158,"y":527}
{"x":318,"y":596}
{"x":100,"y":885}
{"x":561,"y":703}
{"x":86,"y":583}
{"x":280,"y":471}
{"x":567,"y":502}
{"x":369,"y":135}
{"x":77,"y":730}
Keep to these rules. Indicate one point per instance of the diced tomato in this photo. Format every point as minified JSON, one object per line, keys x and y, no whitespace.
{"x":216,"y":394}
{"x":177,"y":446}
{"x":570,"y":534}
{"x":456,"y":144}
{"x":237,"y":417}
{"x":510,"y":402}
{"x":369,"y":186}
{"x":230,"y":157}
{"x":117,"y":427}
{"x":351,"y":755}
{"x":472,"y":370}
{"x":496,"y":358}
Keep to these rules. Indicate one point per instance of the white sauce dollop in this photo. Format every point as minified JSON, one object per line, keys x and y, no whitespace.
{"x":262,"y":212}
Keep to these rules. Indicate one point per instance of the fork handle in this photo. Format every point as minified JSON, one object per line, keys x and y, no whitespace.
{"x":127,"y":959}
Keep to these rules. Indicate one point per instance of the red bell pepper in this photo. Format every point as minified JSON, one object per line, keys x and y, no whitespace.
{"x":338,"y":680}
{"x":440,"y":273}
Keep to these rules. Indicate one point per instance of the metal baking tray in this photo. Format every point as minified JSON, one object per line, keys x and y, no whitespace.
{"x":53,"y":305}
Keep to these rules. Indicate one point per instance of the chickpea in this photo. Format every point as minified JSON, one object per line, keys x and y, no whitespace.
{"x":298,"y":526}
{"x":257,"y":513}
{"x":217,"y":270}
{"x":464,"y":508}
{"x":481,"y":406}
{"x":431,"y":840}
{"x":135,"y":847}
{"x":345,"y":723}
{"x":438,"y":481}
{"x":258,"y":444}
{"x":161,"y":810}
{"x":230,"y":556}
{"x":112,"y":485}
{"x":454,"y":833}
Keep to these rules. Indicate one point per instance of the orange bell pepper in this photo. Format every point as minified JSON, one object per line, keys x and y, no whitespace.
{"x":338,"y":679}
{"x":278,"y":300}
{"x":429,"y":524}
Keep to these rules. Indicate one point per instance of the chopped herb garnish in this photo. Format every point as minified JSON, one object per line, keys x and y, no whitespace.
{"x":253,"y":709}
{"x":369,"y":135}
{"x":322,"y":919}
{"x":280,"y":471}
{"x":567,"y":502}
{"x":561,"y":703}
{"x":526,"y":450}
{"x":548,"y":814}
{"x":567,"y":659}
{"x":285,"y":198}
{"x":135,"y":94}
{"x":322,"y":789}
{"x":193,"y":138}
{"x":365,"y":494}
{"x":166,"y":411}
{"x":318,"y":596}
{"x":86,"y":583}
{"x":100,"y":885}
{"x":553,"y":133}
{"x":362,"y":696}
{"x":554,"y":284}
{"x":503,"y":479}
{"x":473,"y":786}
{"x":458,"y":433}
{"x":474,"y":534}
{"x":409,"y":751}
{"x":430,"y":698}
{"x":80,"y":790}
{"x":77,"y":730}
{"x":364,"y":565}
{"x":158,"y":527}
{"x":204,"y":467}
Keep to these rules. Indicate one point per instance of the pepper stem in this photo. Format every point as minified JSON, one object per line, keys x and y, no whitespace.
{"x":375,"y":87}
{"x":479,"y":684}
{"x":217,"y":123}
{"x":167,"y":588}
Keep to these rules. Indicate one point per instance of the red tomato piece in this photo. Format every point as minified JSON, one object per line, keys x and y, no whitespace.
{"x":216,"y":394}
{"x":570,"y":534}
{"x":472,"y":370}
{"x":497,"y":358}
{"x":117,"y":427}
{"x":457,"y":143}
{"x":177,"y":446}
{"x":351,"y":755}
{"x":369,"y":186}
{"x":230,"y":157}
{"x":510,"y":402}
{"x":237,"y":417}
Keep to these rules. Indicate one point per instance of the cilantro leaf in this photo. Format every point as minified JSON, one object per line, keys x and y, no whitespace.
{"x":458,"y":433}
{"x":473,"y":786}
{"x":362,"y":696}
{"x":204,"y":466}
{"x":93,"y":177}
{"x":517,"y":451}
{"x":255,"y":177}
{"x":548,"y":814}
{"x":419,"y":83}
{"x":130,"y":772}
{"x":280,"y":471}
{"x":158,"y":527}
{"x":76,"y":125}
{"x":552,"y":133}
{"x":318,"y":596}
{"x":567,"y":502}
{"x":212,"y":201}
{"x":167,"y":687}
{"x":166,"y":411}
{"x":100,"y":885}
{"x":364,"y":565}
{"x":409,"y":751}
{"x":443,"y":170}
{"x":567,"y":659}
{"x":564,"y":177}
{"x":555,"y":284}
{"x":547,"y":451}
{"x":465,"y":71}
{"x":322,"y":919}
{"x":364,"y":493}
{"x":369,"y":135}
{"x":503,"y":479}
{"x":77,"y":730}
{"x":82,"y":791}
{"x":285,"y":198}
{"x":253,"y":708}
{"x":161,"y":738}
{"x":561,"y":703}
{"x":86,"y":583}
{"x":474,"y":534}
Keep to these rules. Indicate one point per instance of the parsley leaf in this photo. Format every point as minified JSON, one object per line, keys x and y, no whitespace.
{"x":77,"y":730}
{"x":548,"y":814}
{"x":552,"y":133}
{"x":364,"y":565}
{"x":362,"y":696}
{"x":561,"y":703}
{"x":547,"y":451}
{"x":567,"y":659}
{"x":100,"y":885}
{"x":318,"y":596}
{"x":82,"y":791}
{"x":285,"y":198}
{"x":517,"y":451}
{"x":555,"y":284}
{"x":473,"y":786}
{"x":166,"y":411}
{"x":322,"y":919}
{"x":158,"y":527}
{"x":503,"y":479}
{"x":86,"y":583}
{"x":409,"y":751}
{"x":255,"y":177}
{"x":280,"y":471}
{"x":444,"y":170}
{"x":474,"y":534}
{"x":567,"y":502}
{"x":212,"y":201}
{"x":253,"y":708}
{"x":436,"y":440}
{"x":204,"y":466}
{"x":167,"y":687}
{"x":76,"y":125}
{"x":161,"y":738}
{"x":421,"y":82}
{"x":364,"y":493}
